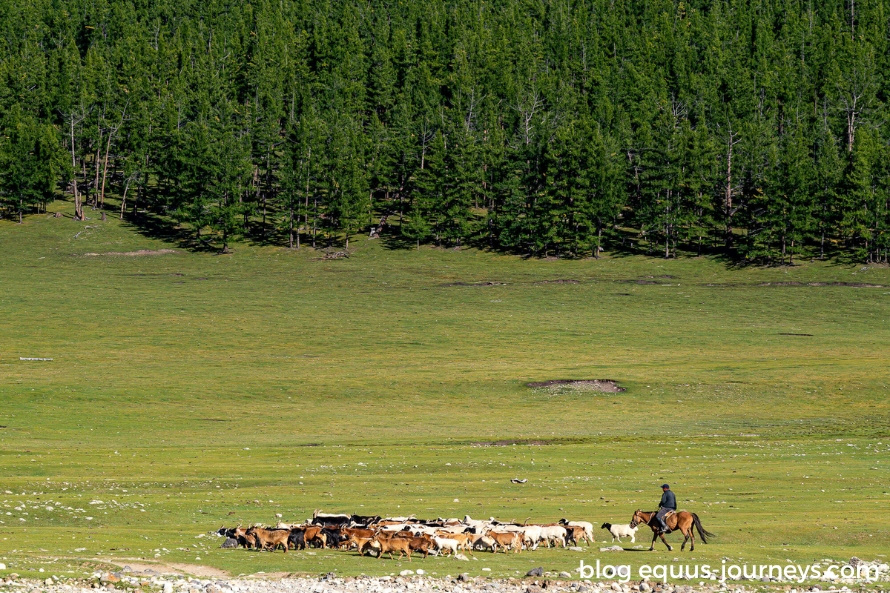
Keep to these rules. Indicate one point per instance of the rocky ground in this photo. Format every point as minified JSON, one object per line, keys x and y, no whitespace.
{"x":416,"y":582}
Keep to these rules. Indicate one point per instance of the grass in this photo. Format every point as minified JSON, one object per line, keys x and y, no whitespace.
{"x":189,"y":390}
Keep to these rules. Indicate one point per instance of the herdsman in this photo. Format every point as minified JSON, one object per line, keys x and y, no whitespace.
{"x":668,"y":503}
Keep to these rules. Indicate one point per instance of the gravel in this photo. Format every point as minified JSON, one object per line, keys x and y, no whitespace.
{"x":414,"y":583}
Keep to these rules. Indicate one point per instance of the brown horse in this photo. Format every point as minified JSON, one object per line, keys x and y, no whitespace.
{"x":684,"y":521}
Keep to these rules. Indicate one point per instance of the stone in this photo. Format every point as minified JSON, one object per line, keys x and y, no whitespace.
{"x":565,"y":575}
{"x":535,"y":572}
{"x":406,"y":573}
{"x":461,"y":557}
{"x":463,"y":577}
{"x":230,"y":543}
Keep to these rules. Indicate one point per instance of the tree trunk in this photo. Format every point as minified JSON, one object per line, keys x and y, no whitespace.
{"x":78,"y":207}
{"x":290,"y":242}
{"x":599,"y":239}
{"x":314,"y":222}
{"x":124,"y":198}
{"x":138,"y":195}
{"x":256,"y":183}
{"x":101,"y":197}
{"x":306,"y":209}
{"x":96,"y":178}
{"x":733,"y":140}
{"x":783,"y":249}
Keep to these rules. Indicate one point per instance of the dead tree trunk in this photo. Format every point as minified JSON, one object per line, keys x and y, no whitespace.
{"x":101,"y":197}
{"x":732,"y":140}
{"x":98,"y":159}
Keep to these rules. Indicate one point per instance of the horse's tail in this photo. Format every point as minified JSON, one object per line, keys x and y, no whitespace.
{"x":702,"y":532}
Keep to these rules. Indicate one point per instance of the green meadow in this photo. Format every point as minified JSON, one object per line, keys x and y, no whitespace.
{"x":189,"y":390}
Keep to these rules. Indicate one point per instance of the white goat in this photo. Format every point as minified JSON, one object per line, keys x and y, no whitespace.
{"x":445,"y":543}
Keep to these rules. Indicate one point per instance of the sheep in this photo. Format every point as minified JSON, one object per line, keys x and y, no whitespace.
{"x":618,"y":530}
{"x":553,"y":534}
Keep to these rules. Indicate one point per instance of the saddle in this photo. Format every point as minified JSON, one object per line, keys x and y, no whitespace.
{"x":669,"y":514}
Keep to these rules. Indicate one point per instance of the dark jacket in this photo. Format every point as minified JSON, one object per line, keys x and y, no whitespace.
{"x":668,"y":500}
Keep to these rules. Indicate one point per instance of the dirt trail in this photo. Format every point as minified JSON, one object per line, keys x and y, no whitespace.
{"x":177,"y":568}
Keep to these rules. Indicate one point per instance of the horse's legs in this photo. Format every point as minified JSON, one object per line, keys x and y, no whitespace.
{"x":654,"y":537}
{"x":688,"y":536}
{"x":661,"y":535}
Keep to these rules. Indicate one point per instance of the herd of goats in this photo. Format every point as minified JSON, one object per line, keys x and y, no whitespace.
{"x":374,"y":535}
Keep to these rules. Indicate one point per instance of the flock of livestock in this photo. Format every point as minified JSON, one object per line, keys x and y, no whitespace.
{"x":374,"y":535}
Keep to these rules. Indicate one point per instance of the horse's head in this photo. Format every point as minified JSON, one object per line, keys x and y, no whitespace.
{"x":639,"y":517}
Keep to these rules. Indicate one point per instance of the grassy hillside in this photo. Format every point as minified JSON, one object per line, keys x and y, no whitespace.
{"x":188,"y":390}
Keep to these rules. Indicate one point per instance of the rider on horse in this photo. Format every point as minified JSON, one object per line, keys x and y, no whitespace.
{"x":668,"y":503}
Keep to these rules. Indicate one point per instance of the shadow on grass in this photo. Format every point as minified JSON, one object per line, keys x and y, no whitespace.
{"x":155,"y":226}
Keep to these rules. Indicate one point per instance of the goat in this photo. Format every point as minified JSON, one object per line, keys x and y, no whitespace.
{"x":401,"y":545}
{"x":618,"y":530}
{"x":482,"y":542}
{"x":588,"y":527}
{"x":507,"y":540}
{"x":446,"y":544}
{"x":269,"y":538}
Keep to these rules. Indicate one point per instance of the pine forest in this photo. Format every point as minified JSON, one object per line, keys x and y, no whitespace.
{"x":756,"y":130}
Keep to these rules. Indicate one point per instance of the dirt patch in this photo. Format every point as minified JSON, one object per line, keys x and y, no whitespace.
{"x":650,"y":280}
{"x":476,"y":284}
{"x":559,"y":281}
{"x":511,"y":442}
{"x":177,"y":568}
{"x":843,"y":284}
{"x":139,"y":253}
{"x":578,"y":385}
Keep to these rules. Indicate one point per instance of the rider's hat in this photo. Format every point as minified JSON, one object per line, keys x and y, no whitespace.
{"x":665,"y":486}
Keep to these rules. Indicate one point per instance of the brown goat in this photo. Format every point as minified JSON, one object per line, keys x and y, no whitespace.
{"x":507,"y":540}
{"x":401,"y":545}
{"x":269,"y":538}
